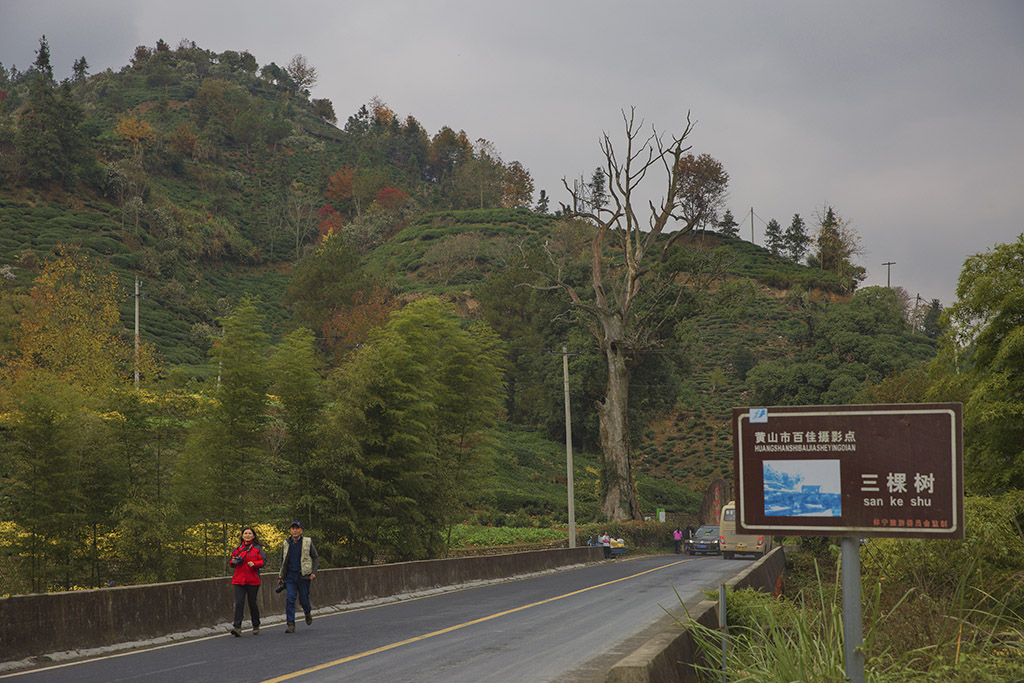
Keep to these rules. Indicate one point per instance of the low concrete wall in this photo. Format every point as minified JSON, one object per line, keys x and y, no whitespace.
{"x":668,"y":657}
{"x":56,"y":622}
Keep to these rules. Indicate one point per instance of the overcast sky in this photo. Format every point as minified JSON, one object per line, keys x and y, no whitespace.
{"x":906,"y":117}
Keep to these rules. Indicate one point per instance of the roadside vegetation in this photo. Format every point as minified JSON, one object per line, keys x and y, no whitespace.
{"x":932,"y":610}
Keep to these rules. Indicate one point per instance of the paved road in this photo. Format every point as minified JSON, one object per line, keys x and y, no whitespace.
{"x":565,"y":626}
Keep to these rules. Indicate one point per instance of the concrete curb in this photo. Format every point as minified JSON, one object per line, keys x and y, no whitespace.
{"x":668,"y":657}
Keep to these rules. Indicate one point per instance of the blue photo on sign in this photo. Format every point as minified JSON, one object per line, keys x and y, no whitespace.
{"x":802,"y":488}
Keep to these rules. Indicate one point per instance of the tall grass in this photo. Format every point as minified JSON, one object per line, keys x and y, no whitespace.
{"x":933,"y":610}
{"x":774,"y":640}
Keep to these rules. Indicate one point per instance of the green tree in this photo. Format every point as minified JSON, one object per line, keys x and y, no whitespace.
{"x":144,"y":436}
{"x":478,"y":180}
{"x":160,"y":77}
{"x":727,"y":225}
{"x":774,"y":239}
{"x":542,"y":202}
{"x":59,"y":488}
{"x":598,"y":190}
{"x":417,"y":400}
{"x":468,"y":404}
{"x":327,"y":280}
{"x":298,"y":386}
{"x":448,"y":150}
{"x":528,"y":319}
{"x":851,"y":346}
{"x":837,"y":243}
{"x":228,"y":470}
{"x":49,"y":140}
{"x":80,"y":69}
{"x":324,"y":109}
{"x":42,"y":64}
{"x":796,"y":238}
{"x":931,"y":323}
{"x":986,"y":336}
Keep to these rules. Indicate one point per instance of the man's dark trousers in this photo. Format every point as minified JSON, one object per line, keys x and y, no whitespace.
{"x":297,"y":587}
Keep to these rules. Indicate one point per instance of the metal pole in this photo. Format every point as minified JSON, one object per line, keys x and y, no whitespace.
{"x":888,"y":272}
{"x":568,"y":451}
{"x":853,"y":627}
{"x":917,"y":303}
{"x":722,"y":625}
{"x":136,"y":333}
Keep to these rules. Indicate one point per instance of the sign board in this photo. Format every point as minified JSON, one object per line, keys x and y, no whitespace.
{"x":866,"y":470}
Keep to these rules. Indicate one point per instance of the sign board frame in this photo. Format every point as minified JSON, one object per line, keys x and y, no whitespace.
{"x":893,"y":470}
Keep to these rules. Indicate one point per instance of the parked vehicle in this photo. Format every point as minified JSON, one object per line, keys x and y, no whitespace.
{"x":704,"y":541}
{"x":732,"y":543}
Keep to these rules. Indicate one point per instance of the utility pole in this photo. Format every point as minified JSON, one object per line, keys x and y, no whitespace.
{"x":888,"y":271}
{"x":751,"y":225}
{"x":136,"y":333}
{"x":917,"y":303}
{"x":568,"y":451}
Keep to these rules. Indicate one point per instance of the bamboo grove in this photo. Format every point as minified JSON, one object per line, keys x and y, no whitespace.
{"x":106,"y":483}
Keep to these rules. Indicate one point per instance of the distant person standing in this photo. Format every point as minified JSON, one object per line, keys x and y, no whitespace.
{"x":677,"y":536}
{"x":299,"y":565}
{"x":247,"y":559}
{"x":606,"y":542}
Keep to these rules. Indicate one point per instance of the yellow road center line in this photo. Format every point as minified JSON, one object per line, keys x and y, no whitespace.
{"x":407,"y":641}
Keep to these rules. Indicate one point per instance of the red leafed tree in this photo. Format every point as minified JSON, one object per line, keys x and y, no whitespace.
{"x":702,"y":188}
{"x":391,"y":198}
{"x":330,"y":221}
{"x":345,"y":329}
{"x":353,"y":187}
{"x":341,"y":186}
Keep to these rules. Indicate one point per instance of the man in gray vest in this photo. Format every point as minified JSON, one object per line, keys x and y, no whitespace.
{"x":299,"y":565}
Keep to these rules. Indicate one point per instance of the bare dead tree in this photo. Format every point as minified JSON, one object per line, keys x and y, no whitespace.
{"x":627,"y":260}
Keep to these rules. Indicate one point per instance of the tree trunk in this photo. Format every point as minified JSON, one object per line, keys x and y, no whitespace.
{"x":694,"y":188}
{"x":619,"y":499}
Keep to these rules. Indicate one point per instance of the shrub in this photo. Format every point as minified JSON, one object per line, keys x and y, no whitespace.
{"x":638,"y":536}
{"x":464,"y":535}
{"x":989,"y":558}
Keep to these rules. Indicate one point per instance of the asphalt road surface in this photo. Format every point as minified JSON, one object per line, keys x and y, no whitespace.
{"x":566,"y":626}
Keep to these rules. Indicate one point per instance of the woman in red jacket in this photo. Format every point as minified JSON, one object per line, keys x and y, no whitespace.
{"x":247,"y":559}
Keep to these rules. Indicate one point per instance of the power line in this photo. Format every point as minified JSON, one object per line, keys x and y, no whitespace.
{"x":759,"y":218}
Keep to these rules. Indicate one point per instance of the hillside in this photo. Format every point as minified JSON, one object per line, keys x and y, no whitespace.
{"x":223,"y":188}
{"x":208,"y":176}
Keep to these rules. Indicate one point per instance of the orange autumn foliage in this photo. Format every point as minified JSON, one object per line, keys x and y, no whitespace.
{"x":72,"y":328}
{"x":341,"y":185}
{"x":345,"y":329}
{"x":136,"y":131}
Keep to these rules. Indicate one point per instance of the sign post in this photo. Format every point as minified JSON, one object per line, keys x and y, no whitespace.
{"x":850,"y":471}
{"x":853,"y":623}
